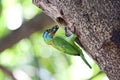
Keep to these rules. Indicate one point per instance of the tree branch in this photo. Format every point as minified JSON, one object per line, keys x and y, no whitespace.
{"x":26,"y":29}
{"x":6,"y":71}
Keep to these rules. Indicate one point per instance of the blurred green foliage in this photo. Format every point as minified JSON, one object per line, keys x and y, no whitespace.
{"x":32,"y":59}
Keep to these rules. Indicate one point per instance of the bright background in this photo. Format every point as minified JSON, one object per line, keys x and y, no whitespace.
{"x":31,"y":58}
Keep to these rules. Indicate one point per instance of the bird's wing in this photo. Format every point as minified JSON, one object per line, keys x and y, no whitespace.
{"x":64,"y":46}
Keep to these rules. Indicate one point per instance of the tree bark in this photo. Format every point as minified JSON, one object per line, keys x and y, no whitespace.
{"x":97,"y":24}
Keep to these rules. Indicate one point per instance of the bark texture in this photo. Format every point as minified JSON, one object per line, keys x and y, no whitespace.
{"x":97,"y":24}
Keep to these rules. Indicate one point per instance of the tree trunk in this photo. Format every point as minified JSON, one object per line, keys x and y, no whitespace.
{"x":97,"y":24}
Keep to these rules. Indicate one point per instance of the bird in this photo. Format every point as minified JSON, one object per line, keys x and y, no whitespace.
{"x":63,"y":43}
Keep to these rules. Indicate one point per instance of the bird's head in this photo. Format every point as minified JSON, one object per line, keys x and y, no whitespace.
{"x":49,"y":33}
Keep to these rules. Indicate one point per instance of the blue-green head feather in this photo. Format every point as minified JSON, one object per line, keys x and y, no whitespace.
{"x":49,"y":33}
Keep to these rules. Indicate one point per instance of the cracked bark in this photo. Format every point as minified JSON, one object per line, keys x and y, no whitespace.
{"x":97,"y":24}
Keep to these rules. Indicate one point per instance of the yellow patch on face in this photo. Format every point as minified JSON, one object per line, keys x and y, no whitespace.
{"x":52,"y":34}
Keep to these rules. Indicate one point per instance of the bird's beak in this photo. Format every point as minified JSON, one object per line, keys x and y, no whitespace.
{"x":54,"y":29}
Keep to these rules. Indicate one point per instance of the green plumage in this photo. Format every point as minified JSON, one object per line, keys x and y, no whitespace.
{"x":63,"y":44}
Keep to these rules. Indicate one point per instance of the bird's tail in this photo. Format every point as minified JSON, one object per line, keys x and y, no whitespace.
{"x":83,"y":58}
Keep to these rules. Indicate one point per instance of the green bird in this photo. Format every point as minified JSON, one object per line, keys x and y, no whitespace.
{"x":63,"y":43}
